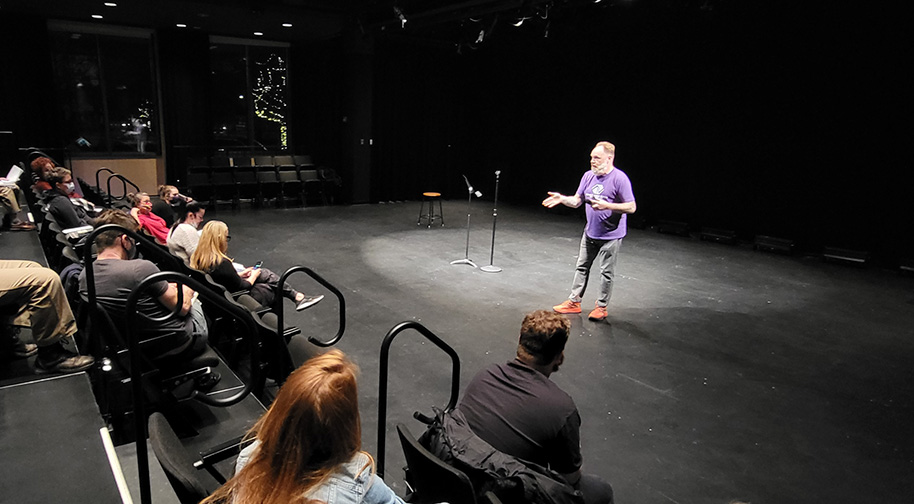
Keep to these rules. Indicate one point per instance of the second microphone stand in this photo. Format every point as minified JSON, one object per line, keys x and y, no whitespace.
{"x":491,"y":268}
{"x":466,"y":258}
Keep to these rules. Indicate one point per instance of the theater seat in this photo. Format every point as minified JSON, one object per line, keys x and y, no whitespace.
{"x":431,"y":480}
{"x":190,"y":485}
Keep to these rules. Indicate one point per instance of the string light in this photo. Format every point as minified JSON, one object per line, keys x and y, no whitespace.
{"x":269,"y":94}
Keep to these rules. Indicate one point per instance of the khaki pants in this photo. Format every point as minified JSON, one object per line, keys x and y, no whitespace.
{"x":38,"y":296}
{"x":8,"y":197}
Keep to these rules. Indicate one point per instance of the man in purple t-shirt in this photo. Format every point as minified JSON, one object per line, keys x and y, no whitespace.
{"x":608,"y":194}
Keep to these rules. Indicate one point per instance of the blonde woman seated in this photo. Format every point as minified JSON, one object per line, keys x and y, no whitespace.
{"x":210,"y":257}
{"x":307,"y":446}
{"x":149,"y":222}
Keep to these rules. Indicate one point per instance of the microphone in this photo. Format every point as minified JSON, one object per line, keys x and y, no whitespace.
{"x":465,"y":179}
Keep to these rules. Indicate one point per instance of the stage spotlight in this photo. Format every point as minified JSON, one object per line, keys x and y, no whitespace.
{"x":400,"y":16}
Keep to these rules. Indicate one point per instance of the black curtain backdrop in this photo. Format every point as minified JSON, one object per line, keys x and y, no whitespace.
{"x":780,"y":121}
{"x":315,"y":73}
{"x":185,"y":109}
{"x":417,"y":122}
{"x":28,"y":103}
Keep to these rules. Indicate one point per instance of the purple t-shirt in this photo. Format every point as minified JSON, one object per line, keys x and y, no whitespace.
{"x":614,"y":187}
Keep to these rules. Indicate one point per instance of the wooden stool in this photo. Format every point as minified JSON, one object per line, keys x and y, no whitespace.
{"x":429,"y":198}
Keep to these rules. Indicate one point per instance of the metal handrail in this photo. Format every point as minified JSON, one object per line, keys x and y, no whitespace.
{"x":383,"y":374}
{"x":277,"y":305}
{"x":98,"y":183}
{"x":124,"y":182}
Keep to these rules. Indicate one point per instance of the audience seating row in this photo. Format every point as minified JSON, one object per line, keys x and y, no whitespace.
{"x":260,"y":178}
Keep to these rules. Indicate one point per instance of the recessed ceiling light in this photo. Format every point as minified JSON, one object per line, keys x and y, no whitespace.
{"x":181,"y":25}
{"x":110,"y":4}
{"x":97,"y":16}
{"x":259,"y":34}
{"x":287,"y":25}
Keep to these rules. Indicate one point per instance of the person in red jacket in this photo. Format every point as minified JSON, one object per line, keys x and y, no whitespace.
{"x":149,"y":222}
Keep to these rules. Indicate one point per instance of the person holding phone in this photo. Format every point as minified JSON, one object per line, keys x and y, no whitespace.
{"x":210,"y":257}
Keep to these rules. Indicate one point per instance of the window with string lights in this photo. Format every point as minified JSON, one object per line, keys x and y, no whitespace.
{"x":250,"y":93}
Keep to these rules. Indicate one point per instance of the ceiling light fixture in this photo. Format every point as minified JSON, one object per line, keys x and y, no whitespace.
{"x":110,"y":4}
{"x":287,"y":25}
{"x":400,"y":16}
{"x":258,"y":34}
{"x":181,"y":25}
{"x":97,"y":16}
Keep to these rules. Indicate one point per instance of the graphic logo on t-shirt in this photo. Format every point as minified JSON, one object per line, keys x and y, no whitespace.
{"x":598,"y":189}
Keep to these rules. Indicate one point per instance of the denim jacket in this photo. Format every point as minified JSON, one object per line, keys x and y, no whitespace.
{"x":354,"y":483}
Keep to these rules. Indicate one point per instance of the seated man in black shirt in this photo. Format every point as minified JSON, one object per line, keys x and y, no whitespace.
{"x":518,"y":410}
{"x":117,"y":275}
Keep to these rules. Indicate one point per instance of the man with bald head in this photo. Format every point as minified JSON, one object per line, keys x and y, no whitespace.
{"x":607,"y":191}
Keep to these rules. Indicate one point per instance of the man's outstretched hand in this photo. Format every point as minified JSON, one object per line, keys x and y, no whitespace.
{"x":553,"y":200}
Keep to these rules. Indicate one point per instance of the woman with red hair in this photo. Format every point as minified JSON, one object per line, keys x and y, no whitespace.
{"x":307,"y":446}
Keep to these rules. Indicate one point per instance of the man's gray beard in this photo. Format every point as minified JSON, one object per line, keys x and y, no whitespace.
{"x":601,"y":169}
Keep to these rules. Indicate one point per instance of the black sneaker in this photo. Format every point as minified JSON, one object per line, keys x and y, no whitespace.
{"x":308,"y":301}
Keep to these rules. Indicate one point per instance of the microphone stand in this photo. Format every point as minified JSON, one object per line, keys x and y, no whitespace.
{"x":466,"y":258}
{"x":491,"y":268}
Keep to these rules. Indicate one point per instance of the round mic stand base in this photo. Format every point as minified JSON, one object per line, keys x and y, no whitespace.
{"x":465,"y":261}
{"x":490,"y":269}
{"x":466,"y":257}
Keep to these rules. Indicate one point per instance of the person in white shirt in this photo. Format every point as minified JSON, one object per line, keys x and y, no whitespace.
{"x":184,"y":235}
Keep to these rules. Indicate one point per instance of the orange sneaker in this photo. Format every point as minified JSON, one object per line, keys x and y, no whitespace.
{"x":568,"y":306}
{"x":598,"y":313}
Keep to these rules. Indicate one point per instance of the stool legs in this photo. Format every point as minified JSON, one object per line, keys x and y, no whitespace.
{"x":429,"y":213}
{"x":440,"y":213}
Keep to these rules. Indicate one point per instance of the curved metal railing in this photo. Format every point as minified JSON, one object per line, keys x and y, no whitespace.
{"x":383,"y":374}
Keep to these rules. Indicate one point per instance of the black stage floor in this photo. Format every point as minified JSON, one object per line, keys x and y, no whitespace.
{"x":722,"y":372}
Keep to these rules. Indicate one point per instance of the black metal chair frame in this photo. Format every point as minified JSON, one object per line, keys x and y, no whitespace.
{"x":238,"y":311}
{"x":449,"y":483}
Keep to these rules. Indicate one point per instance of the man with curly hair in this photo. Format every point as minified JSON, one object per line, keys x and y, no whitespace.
{"x":518,"y":410}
